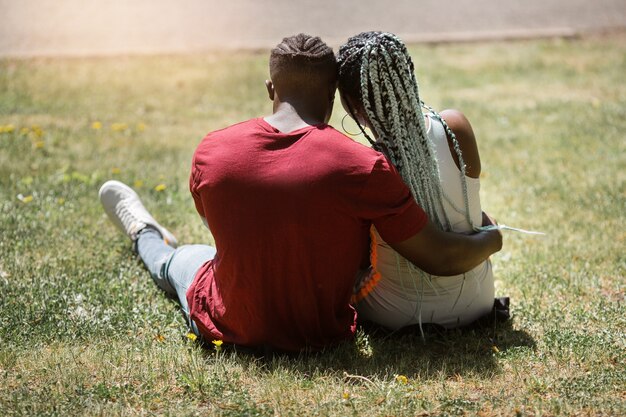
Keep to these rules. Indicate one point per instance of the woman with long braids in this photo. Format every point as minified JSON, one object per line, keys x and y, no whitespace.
{"x":437,"y":156}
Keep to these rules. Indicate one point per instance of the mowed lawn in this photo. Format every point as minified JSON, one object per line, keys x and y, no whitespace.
{"x":83,"y":330}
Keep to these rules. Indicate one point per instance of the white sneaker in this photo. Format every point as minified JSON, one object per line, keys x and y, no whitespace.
{"x":126,"y":211}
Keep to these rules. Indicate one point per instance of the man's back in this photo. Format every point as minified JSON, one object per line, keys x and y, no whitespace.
{"x":290,"y":214}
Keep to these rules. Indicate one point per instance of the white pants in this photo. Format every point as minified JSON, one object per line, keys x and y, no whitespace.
{"x":406,"y":296}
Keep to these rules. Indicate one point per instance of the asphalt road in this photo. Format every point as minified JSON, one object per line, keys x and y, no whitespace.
{"x":95,"y":27}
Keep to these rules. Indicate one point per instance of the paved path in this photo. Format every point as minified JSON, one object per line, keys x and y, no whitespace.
{"x":96,"y":27}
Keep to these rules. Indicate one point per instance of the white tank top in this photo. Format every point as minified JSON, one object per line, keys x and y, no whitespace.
{"x":403,"y":292}
{"x":450,"y":175}
{"x":398,"y":274}
{"x":454,"y":204}
{"x":404,"y":295}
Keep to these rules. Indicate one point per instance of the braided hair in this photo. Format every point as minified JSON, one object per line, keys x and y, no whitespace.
{"x":303,"y":45}
{"x":376,"y":72}
{"x":302,"y":62}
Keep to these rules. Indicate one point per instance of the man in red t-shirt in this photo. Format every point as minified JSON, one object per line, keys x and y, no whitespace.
{"x":290,"y":203}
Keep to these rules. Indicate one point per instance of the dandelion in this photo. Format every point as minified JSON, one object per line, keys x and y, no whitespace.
{"x":160,"y":187}
{"x":401,"y":379}
{"x":96,"y":125}
{"x":218,"y":345}
{"x":191,"y":336}
{"x":39,"y":144}
{"x":7,"y":128}
{"x":345,"y":395}
{"x":138,"y":183}
{"x":115,"y":170}
{"x":37,"y":131}
{"x":141,"y":127}
{"x":119,"y":127}
{"x":25,"y":199}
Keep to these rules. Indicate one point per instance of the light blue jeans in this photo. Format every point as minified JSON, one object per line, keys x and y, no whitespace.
{"x":173,"y":270}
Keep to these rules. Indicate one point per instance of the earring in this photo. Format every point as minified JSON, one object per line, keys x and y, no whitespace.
{"x":344,"y":128}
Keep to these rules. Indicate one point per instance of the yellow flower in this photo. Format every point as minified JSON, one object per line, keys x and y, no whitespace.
{"x":7,"y":128}
{"x":345,"y":395}
{"x":119,"y":127}
{"x":141,"y":127}
{"x":138,"y":183}
{"x":218,"y":345}
{"x":96,"y":125}
{"x":25,"y":199}
{"x":37,"y":131}
{"x":39,"y":144}
{"x":159,"y":338}
{"x":402,"y":379}
{"x":160,"y":187}
{"x":115,"y":170}
{"x":60,"y":201}
{"x":191,"y":336}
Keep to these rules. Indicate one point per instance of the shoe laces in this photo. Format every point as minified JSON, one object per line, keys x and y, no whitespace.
{"x":128,"y":216}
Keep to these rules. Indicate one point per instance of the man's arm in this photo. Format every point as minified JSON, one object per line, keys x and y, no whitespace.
{"x":447,"y":253}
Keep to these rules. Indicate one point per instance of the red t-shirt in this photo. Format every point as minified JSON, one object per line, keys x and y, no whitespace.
{"x":290,"y":214}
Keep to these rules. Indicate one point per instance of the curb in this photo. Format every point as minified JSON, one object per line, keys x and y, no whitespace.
{"x":499,"y":35}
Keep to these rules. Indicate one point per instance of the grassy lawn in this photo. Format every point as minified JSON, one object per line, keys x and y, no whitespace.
{"x":83,"y":330}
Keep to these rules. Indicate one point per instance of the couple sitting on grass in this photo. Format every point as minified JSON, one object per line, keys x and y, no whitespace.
{"x":311,"y":227}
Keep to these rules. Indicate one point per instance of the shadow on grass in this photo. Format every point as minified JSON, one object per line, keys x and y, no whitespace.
{"x":437,"y":353}
{"x":430,"y":353}
{"x":376,"y":352}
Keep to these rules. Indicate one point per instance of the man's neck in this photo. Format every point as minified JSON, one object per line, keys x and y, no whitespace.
{"x":286,"y":118}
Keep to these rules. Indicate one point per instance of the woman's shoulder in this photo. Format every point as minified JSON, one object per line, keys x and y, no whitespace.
{"x":462,"y":129}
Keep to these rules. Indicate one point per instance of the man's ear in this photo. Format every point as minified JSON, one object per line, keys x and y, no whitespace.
{"x":270,"y":89}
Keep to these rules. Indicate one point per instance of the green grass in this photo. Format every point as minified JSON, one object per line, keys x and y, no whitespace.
{"x":84,"y":331}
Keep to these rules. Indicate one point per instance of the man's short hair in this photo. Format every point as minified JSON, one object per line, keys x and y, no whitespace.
{"x":302,"y":62}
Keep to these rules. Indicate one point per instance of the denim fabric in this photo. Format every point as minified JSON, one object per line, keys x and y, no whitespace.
{"x":173,"y":270}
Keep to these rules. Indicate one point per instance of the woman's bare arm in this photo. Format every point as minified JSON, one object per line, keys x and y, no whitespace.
{"x":464,"y":133}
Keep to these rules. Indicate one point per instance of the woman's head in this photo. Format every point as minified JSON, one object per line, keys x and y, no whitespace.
{"x":378,"y":86}
{"x":374,"y":66}
{"x":349,"y":61}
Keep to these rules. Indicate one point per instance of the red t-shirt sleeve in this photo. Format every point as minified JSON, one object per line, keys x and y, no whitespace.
{"x":388,"y":203}
{"x":193,"y":187}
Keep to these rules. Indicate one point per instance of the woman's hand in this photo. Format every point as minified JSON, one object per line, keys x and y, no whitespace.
{"x":488,"y":220}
